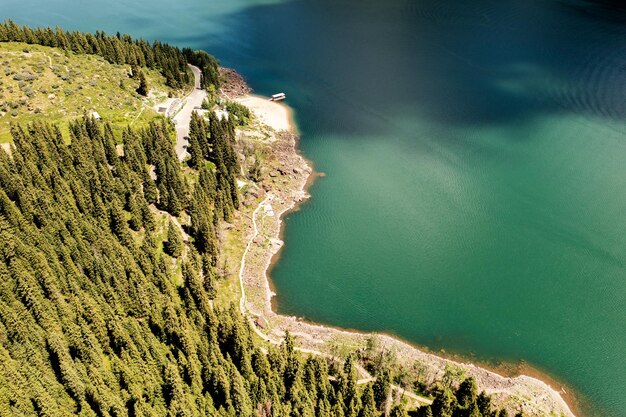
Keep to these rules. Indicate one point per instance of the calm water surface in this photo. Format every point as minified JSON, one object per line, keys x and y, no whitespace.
{"x":475,"y":152}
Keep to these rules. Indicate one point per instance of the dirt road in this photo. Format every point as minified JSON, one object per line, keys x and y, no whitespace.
{"x":192,"y":102}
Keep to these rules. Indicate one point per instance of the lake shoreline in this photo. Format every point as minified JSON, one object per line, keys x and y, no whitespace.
{"x":286,"y":191}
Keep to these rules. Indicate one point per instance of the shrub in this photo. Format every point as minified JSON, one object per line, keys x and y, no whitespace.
{"x":14,"y":113}
{"x":240,"y":112}
{"x":24,"y":76}
{"x":206,"y":104}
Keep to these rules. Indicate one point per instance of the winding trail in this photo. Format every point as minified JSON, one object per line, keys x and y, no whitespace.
{"x":367,"y":378}
{"x":49,"y":60}
{"x":242,"y":300}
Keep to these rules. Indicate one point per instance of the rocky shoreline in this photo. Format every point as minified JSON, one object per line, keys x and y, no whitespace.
{"x":233,"y":84}
{"x":281,"y":190}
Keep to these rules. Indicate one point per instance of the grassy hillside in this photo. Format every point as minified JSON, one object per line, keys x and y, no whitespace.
{"x":42,"y":83}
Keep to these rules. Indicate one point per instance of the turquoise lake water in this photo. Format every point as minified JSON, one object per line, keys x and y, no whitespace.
{"x":475,"y":160}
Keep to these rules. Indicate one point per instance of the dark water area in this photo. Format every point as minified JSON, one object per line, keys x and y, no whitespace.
{"x":475,"y":189}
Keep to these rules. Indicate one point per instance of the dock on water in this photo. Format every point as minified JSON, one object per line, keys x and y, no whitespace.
{"x":278,"y":97}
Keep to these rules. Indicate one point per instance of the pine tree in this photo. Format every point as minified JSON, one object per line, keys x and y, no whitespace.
{"x":209,"y":286}
{"x":174,"y":244}
{"x":136,"y":217}
{"x":150,"y":191}
{"x":473,"y":411}
{"x":381,"y":388}
{"x":146,"y":215}
{"x":197,"y":137}
{"x":484,"y":403}
{"x":348,"y":380}
{"x":368,"y":404}
{"x":426,"y":411}
{"x":398,"y":411}
{"x":118,"y":224}
{"x":444,"y":403}
{"x":143,"y":84}
{"x":467,"y":392}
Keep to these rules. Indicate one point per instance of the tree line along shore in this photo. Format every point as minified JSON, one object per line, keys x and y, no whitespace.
{"x":111,"y":270}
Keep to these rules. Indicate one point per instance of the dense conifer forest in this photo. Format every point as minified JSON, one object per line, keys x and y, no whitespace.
{"x":122,"y":50}
{"x":95,"y":320}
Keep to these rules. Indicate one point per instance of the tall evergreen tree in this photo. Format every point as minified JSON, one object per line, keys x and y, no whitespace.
{"x":143,"y":84}
{"x":174,"y":244}
{"x":381,"y":388}
{"x":368,"y":408}
{"x":197,"y":138}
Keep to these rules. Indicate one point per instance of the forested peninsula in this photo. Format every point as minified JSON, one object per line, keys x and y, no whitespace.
{"x":118,"y":292}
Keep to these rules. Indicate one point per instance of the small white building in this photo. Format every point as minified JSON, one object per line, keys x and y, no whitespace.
{"x":96,"y":115}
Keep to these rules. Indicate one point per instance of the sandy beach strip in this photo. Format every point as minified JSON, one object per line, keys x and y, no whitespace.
{"x":274,"y":114}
